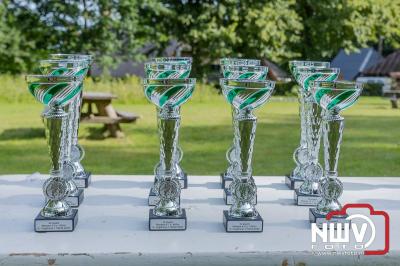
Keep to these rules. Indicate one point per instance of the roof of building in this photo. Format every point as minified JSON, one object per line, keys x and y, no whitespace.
{"x":385,"y":66}
{"x":353,"y":64}
{"x":274,"y":71}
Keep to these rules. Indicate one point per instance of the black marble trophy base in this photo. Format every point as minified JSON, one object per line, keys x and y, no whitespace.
{"x":76,"y":199}
{"x":225,"y":181}
{"x":242,"y":225}
{"x":56,"y":224}
{"x":153,"y":198}
{"x":83,"y":182}
{"x":167,"y":223}
{"x":229,"y":199}
{"x":293,"y":183}
{"x":184,"y":181}
{"x":320,"y":219}
{"x":302,"y":199}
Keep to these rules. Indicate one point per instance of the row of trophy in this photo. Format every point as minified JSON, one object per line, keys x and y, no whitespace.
{"x":167,"y":85}
{"x":59,"y":88}
{"x":321,"y":98}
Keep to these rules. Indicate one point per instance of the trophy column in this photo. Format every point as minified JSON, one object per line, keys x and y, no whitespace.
{"x":167,"y":214}
{"x":331,"y":186}
{"x":57,"y":215}
{"x":308,"y":193}
{"x":242,"y":216}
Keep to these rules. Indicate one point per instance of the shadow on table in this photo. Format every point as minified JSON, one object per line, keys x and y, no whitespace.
{"x":22,"y":133}
{"x":110,"y":200}
{"x":276,"y":186}
{"x":280,"y":201}
{"x":31,"y":200}
{"x":207,"y":226}
{"x":294,"y":223}
{"x":382,"y":204}
{"x":114,"y":222}
{"x":208,"y":185}
{"x":363,"y":186}
{"x":212,"y":201}
{"x":23,"y":183}
{"x":112,"y":184}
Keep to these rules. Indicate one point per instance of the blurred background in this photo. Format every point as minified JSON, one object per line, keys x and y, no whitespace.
{"x":362,"y":37}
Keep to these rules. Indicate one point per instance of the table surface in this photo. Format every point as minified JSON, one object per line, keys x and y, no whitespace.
{"x":114,"y":217}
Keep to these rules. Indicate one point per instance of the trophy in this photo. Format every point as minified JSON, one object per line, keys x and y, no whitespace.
{"x":168,"y":95}
{"x":332,"y":97}
{"x":244,"y":96}
{"x":238,"y":72}
{"x":55,"y":92}
{"x":82,"y":178}
{"x":169,"y":68}
{"x":300,"y":156}
{"x":67,"y":68}
{"x":308,"y":193}
{"x":237,"y":68}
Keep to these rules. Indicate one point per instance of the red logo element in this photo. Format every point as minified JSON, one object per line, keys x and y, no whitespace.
{"x":385,"y":215}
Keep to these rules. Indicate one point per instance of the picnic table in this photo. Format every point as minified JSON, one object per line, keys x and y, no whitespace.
{"x":97,"y":109}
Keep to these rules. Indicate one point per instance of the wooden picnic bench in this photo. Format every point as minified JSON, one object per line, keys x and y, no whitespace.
{"x":106,"y":114}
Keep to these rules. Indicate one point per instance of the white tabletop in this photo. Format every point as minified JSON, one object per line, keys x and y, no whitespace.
{"x":113,"y":221}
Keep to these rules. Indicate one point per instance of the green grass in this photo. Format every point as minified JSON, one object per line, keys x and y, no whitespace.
{"x":371,"y":144}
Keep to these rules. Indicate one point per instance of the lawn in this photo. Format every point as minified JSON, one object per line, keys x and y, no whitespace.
{"x":371,"y":144}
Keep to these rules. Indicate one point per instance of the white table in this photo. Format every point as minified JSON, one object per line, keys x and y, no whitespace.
{"x":113,"y":225}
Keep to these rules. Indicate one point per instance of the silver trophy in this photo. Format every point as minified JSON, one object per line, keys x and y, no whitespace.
{"x":308,"y":193}
{"x":227,"y":67}
{"x":55,"y":92}
{"x":332,"y":97}
{"x":235,"y":71}
{"x":244,"y":96}
{"x":300,"y":155}
{"x":57,"y":67}
{"x":82,"y":178}
{"x":168,"y":95}
{"x":169,"y":68}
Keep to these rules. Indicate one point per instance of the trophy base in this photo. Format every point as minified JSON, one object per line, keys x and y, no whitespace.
{"x":83,"y":182}
{"x":225,"y":181}
{"x":184,"y":181}
{"x":293,"y":183}
{"x":320,"y":219}
{"x":75,"y":199}
{"x":56,"y":224}
{"x":153,"y":198}
{"x":167,"y":223}
{"x":229,"y":199}
{"x":302,"y":199}
{"x":242,"y":225}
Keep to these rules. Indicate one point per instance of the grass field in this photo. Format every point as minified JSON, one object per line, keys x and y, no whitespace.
{"x":371,"y":145}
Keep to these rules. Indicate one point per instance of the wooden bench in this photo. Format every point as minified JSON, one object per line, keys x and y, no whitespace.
{"x":106,"y":114}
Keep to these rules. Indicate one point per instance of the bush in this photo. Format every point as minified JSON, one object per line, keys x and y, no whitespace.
{"x":372,"y":89}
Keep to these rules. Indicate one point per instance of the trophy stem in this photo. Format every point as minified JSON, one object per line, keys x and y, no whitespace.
{"x":243,"y":187}
{"x":167,"y":185}
{"x":312,"y":170}
{"x":331,"y":186}
{"x":56,"y":187}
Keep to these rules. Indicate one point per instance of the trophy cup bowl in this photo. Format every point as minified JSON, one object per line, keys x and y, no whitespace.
{"x":55,"y":92}
{"x":308,"y":192}
{"x":244,"y":72}
{"x":82,"y":178}
{"x":300,"y":155}
{"x":62,"y":67}
{"x":168,"y":95}
{"x":332,"y":97}
{"x":172,"y":60}
{"x":174,"y":70}
{"x":244,"y":96}
{"x":239,"y":62}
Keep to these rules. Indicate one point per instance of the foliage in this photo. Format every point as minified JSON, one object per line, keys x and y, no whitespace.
{"x":372,"y":89}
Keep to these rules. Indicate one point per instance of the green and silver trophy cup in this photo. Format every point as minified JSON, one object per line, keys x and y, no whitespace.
{"x":244,"y":96}
{"x":55,"y":67}
{"x":226,"y":177}
{"x":308,"y":193}
{"x":55,"y":92}
{"x":169,"y":68}
{"x":82,"y":178}
{"x":332,"y":97}
{"x":168,"y":95}
{"x":300,"y":156}
{"x":247,"y":72}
